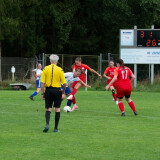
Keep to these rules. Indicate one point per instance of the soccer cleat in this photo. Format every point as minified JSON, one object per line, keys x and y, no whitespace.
{"x":70,"y":97}
{"x":116,"y":102}
{"x":123,"y":114}
{"x":135,"y":113}
{"x":31,"y":98}
{"x":46,"y":129}
{"x":56,"y":130}
{"x":74,"y":108}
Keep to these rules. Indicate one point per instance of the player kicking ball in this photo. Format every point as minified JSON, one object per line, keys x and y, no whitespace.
{"x":70,"y":78}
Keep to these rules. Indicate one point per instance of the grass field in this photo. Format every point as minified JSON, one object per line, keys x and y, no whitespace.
{"x":95,"y":132}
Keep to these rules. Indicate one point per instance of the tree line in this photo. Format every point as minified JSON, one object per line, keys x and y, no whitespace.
{"x":30,"y":27}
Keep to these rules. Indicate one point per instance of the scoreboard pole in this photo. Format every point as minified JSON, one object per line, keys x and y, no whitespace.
{"x":135,"y":69}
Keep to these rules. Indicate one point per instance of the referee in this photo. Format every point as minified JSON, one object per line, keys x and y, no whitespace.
{"x":52,"y":76}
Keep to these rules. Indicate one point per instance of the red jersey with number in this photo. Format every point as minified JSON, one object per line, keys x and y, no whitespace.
{"x":123,"y":77}
{"x":83,"y":67}
{"x":110,"y":71}
{"x":124,"y":86}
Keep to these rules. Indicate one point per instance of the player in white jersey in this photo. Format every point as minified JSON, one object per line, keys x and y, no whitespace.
{"x":70,"y":78}
{"x":37,"y":73}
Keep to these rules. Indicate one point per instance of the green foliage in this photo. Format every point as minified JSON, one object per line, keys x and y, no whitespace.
{"x":30,"y":27}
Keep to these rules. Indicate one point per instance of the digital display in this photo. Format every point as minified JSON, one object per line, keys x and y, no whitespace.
{"x":148,"y":38}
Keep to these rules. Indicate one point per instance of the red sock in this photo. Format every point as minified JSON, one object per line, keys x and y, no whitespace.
{"x":114,"y":96}
{"x":74,"y":91}
{"x":74,"y":100}
{"x":121,"y":106}
{"x":131,"y":104}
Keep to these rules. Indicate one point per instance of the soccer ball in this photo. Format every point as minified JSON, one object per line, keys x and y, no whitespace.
{"x":67,"y":109}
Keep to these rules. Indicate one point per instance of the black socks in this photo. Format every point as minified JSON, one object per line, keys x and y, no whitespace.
{"x":47,"y":115}
{"x":57,"y":117}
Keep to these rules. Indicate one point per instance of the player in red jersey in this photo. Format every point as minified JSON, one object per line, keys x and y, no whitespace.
{"x":124,"y":87}
{"x":77,"y":84}
{"x":110,"y":71}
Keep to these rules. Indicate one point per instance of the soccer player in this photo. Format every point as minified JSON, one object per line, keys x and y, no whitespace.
{"x":37,"y":73}
{"x":110,"y":71}
{"x":70,"y":78}
{"x":77,"y":84}
{"x":122,"y":74}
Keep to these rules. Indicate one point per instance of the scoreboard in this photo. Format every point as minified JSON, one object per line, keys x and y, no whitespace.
{"x":140,"y":46}
{"x":148,"y":38}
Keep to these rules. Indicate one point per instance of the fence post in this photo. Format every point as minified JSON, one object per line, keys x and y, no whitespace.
{"x":152,"y":74}
{"x":109,"y":57}
{"x":135,"y":73}
{"x":42,"y":60}
{"x":86,"y":79}
{"x":100,"y":65}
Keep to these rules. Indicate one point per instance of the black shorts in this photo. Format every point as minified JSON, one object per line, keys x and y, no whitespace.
{"x":53,"y":95}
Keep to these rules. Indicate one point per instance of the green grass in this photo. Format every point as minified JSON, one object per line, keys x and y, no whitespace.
{"x":95,"y":132}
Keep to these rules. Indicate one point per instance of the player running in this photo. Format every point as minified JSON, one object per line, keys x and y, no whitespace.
{"x":77,"y":84}
{"x":37,"y":73}
{"x":110,"y":71}
{"x":71,"y":78}
{"x":122,"y":74}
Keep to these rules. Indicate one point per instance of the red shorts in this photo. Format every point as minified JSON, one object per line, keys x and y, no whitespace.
{"x":75,"y":82}
{"x":114,"y":84}
{"x":123,"y":90}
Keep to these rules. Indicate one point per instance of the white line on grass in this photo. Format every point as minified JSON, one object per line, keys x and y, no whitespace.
{"x":149,"y":117}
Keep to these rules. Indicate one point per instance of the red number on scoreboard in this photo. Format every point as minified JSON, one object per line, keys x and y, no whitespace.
{"x":154,"y":42}
{"x":148,"y":42}
{"x":142,"y":34}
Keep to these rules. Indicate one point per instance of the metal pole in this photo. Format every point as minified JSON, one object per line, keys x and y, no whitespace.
{"x":135,"y":73}
{"x":109,"y":57}
{"x":43,"y":60}
{"x":100,"y":65}
{"x":86,"y":79}
{"x":152,"y":74}
{"x":149,"y":71}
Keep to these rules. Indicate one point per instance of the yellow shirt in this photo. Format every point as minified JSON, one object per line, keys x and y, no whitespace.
{"x":52,"y":76}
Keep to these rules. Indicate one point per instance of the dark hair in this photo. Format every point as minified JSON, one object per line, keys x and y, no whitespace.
{"x":78,"y":59}
{"x":121,"y":62}
{"x":111,"y":59}
{"x":79,"y":70}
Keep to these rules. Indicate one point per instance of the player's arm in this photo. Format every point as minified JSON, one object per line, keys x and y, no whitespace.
{"x":112,"y":81}
{"x":85,"y":84}
{"x":93,"y":71}
{"x":105,"y":74}
{"x":132,"y":78}
{"x":63,"y":80}
{"x":34,"y":73}
{"x":43,"y":81}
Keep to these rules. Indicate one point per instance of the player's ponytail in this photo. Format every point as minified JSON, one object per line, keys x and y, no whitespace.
{"x":121,"y":62}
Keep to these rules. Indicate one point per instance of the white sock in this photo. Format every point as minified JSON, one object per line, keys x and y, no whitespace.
{"x":74,"y":105}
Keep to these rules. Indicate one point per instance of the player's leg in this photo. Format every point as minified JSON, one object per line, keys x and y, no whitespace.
{"x":48,"y":106}
{"x":38,"y":85}
{"x":75,"y":88}
{"x":120,"y":95}
{"x":57,"y":104}
{"x":121,"y":105}
{"x":68,"y":93}
{"x":114,"y":93}
{"x":131,"y":104}
{"x":74,"y":104}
